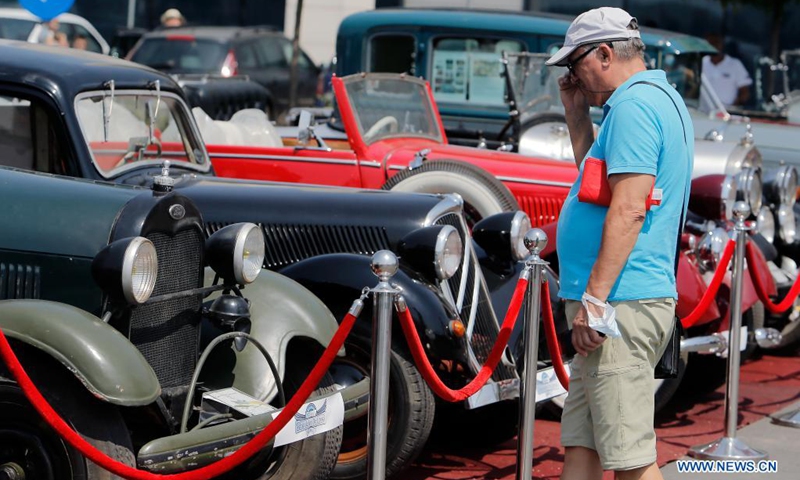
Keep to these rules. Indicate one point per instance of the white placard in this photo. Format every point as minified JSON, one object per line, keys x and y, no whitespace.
{"x":241,"y":402}
{"x":312,"y":418}
{"x":487,"y":85}
{"x":547,"y":384}
{"x":449,"y":79}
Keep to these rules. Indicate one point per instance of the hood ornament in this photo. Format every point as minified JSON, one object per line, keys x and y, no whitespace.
{"x":163,"y":183}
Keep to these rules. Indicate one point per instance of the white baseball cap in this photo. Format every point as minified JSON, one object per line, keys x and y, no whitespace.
{"x":604,"y":24}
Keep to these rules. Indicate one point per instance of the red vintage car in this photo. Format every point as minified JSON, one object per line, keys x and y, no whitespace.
{"x":387,"y":134}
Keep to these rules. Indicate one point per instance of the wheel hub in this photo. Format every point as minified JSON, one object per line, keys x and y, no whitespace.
{"x":11,"y":471}
{"x":24,"y":456}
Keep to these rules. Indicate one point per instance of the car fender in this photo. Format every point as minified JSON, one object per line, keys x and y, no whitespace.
{"x":338,"y":279}
{"x":280,"y":310}
{"x":105,"y":362}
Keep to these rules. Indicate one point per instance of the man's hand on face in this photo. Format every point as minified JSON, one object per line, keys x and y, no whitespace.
{"x":571,"y":95}
{"x":585,"y":339}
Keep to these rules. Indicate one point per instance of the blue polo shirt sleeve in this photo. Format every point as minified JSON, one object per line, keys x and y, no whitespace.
{"x":631,"y":138}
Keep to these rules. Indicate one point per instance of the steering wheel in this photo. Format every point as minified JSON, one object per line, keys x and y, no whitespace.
{"x":131,"y":154}
{"x":386,"y":122}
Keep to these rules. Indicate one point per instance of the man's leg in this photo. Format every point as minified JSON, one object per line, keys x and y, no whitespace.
{"x":581,"y":463}
{"x":650,"y":472}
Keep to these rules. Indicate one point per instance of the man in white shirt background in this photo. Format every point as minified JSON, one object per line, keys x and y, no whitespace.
{"x":727,"y":75}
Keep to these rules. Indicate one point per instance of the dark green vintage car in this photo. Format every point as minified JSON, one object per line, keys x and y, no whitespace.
{"x":109,"y":306}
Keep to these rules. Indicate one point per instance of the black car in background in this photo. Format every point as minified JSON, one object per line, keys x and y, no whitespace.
{"x":262,"y":54}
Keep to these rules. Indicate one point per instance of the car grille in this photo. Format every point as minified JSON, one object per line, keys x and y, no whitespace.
{"x":287,"y":244}
{"x":541,"y":210}
{"x":475,"y":304}
{"x":167,"y":332}
{"x":19,"y":281}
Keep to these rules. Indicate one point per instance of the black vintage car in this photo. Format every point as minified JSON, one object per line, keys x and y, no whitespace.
{"x":104,"y":298}
{"x":84,"y":115}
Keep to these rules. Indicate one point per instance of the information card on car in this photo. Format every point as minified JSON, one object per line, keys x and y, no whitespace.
{"x":318,"y":416}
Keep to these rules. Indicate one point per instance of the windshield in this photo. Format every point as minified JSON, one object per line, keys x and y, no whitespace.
{"x":533,"y":84}
{"x":385,"y":106}
{"x":468,"y":71}
{"x":133,"y":128}
{"x":792,"y":62}
{"x":181,"y":54}
{"x":683,"y":73}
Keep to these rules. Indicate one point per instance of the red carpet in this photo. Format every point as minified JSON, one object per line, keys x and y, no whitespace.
{"x":695,"y":416}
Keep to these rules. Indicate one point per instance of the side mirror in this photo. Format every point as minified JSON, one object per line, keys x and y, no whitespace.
{"x":305,"y":133}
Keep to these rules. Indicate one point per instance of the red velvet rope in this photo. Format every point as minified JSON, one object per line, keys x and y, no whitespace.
{"x":210,"y":471}
{"x":424,"y":365}
{"x":780,"y":307}
{"x":709,"y":295}
{"x":552,"y":339}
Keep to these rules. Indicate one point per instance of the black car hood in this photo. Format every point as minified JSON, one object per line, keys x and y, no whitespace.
{"x":320,"y":219}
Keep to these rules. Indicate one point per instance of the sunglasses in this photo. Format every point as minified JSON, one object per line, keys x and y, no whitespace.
{"x":571,"y":65}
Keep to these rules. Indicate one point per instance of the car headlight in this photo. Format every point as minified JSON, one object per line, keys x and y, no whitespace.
{"x":751,"y":188}
{"x":710,"y":247}
{"x":237,"y":252}
{"x":501,"y":235}
{"x":713,"y":196}
{"x":787,"y":224}
{"x":780,"y":185}
{"x":435,"y":251}
{"x":765,"y":224}
{"x":126,"y":269}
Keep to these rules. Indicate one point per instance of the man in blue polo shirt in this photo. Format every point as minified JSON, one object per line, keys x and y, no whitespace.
{"x":618,"y":261}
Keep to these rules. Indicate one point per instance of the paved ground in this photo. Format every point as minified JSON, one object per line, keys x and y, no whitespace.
{"x":768,"y":385}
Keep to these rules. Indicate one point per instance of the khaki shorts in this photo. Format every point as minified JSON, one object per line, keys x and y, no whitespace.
{"x":610,"y":407}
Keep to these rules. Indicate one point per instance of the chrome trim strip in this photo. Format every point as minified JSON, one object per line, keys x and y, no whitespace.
{"x":397,"y":167}
{"x":535,"y":182}
{"x":370,"y":163}
{"x":449,"y":204}
{"x":462,"y":289}
{"x":247,"y":156}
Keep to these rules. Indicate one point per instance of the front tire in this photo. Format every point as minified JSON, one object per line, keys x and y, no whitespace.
{"x":315,"y":457}
{"x":411,"y":412}
{"x":483,"y":194}
{"x":28,"y":443}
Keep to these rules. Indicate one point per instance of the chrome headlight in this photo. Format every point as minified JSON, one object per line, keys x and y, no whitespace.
{"x":710,"y":248}
{"x":127,"y":269}
{"x":435,"y":251}
{"x":501,"y":235}
{"x":448,"y":252}
{"x":787,"y":225}
{"x":780,"y":185}
{"x":765,"y":224}
{"x":519,"y":227}
{"x":237,"y":252}
{"x":751,"y":188}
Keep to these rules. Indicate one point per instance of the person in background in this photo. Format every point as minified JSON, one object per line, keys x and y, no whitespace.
{"x":618,"y":261}
{"x":52,"y":35}
{"x":727,"y":75}
{"x":172,"y":18}
{"x":80,"y":42}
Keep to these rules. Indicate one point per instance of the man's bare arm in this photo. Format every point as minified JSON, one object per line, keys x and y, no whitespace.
{"x":623,"y":223}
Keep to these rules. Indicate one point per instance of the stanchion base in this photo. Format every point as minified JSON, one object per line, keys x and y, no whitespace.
{"x":726,"y":448}
{"x":790,"y":419}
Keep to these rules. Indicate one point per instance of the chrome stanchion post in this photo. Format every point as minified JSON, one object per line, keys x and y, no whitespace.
{"x":729,"y":447}
{"x":535,"y":242}
{"x":384,"y":266}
